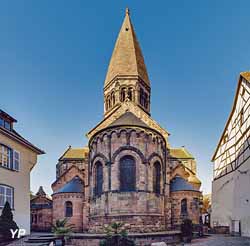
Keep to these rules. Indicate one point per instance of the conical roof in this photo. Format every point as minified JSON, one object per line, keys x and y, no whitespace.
{"x":127,"y":58}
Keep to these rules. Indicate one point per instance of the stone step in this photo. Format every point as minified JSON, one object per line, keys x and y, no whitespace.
{"x":38,"y":240}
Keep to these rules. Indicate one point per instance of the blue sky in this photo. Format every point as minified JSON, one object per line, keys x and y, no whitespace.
{"x":54,"y":56}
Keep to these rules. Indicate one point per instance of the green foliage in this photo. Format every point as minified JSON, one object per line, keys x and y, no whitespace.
{"x":61,"y":228}
{"x":116,"y":234}
{"x":187,"y":230}
{"x":7,"y":223}
{"x":7,"y":213}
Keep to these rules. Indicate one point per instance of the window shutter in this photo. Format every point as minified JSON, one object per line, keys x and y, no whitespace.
{"x":16,"y":160}
{"x":11,"y":160}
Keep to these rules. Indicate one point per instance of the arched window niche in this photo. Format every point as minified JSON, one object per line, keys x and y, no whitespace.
{"x":130,"y":94}
{"x":184,"y":207}
{"x":157,"y":177}
{"x":127,"y":174}
{"x":109,"y":102}
{"x":123,"y":94}
{"x":113,"y":98}
{"x":98,"y":178}
{"x":68,"y":209}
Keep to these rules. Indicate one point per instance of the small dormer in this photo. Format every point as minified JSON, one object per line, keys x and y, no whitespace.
{"x":6,"y":121}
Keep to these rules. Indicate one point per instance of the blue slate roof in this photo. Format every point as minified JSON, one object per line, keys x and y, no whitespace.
{"x":180,"y":184}
{"x":41,"y":206}
{"x":75,"y":185}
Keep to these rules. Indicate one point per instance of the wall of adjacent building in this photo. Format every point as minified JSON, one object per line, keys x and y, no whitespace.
{"x":20,"y":181}
{"x":231,"y":199}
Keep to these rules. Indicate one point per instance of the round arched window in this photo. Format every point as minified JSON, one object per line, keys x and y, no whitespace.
{"x":98,"y":178}
{"x":157,"y":177}
{"x":127,"y":173}
{"x":68,"y":209}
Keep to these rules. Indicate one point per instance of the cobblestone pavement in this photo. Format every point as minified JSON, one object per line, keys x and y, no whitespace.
{"x":220,"y":240}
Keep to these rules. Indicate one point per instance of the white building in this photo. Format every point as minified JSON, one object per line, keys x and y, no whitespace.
{"x":231,"y":183}
{"x":17,"y":158}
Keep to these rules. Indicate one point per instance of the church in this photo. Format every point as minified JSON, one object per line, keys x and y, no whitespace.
{"x":128,"y":172}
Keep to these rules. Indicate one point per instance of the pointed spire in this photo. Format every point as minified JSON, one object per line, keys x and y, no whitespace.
{"x":127,"y":11}
{"x":127,"y":58}
{"x":41,"y":192}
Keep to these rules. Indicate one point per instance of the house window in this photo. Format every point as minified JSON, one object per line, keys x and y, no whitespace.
{"x":5,"y":156}
{"x":6,"y":195}
{"x":127,"y":173}
{"x":184,"y":206}
{"x":157,"y":178}
{"x":16,"y":160}
{"x":9,"y":158}
{"x":1,"y":122}
{"x":98,"y":179}
{"x":68,"y":209}
{"x":7,"y":125}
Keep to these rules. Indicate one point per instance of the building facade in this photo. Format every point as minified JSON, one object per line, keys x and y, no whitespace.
{"x":17,"y":158}
{"x":128,"y":172}
{"x":230,"y":188}
{"x":41,"y":211}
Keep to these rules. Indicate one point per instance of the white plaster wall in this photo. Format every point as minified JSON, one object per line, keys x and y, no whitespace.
{"x":20,"y":181}
{"x":231,"y":199}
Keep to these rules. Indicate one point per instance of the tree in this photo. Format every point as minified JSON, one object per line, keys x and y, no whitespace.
{"x":187,"y":230}
{"x":7,"y":223}
{"x":7,"y":213}
{"x":116,"y":235}
{"x":62,"y":229}
{"x":206,"y":204}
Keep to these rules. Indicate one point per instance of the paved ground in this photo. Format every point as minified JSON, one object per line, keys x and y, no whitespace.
{"x":220,"y":240}
{"x":214,"y":240}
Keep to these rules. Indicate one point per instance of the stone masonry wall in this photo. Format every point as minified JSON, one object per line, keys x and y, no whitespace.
{"x":141,"y":210}
{"x":192,"y":208}
{"x":59,"y":208}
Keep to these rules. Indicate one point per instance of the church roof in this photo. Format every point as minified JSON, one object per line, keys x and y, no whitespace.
{"x":128,"y":119}
{"x":41,"y":192}
{"x":127,"y":58}
{"x":193,"y":179}
{"x":180,"y":184}
{"x":74,"y":153}
{"x":180,"y":153}
{"x":75,"y":185}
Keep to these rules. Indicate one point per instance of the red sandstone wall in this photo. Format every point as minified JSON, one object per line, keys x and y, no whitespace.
{"x":59,"y":208}
{"x":193,"y":213}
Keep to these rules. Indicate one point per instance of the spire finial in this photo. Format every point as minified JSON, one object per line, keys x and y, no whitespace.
{"x":127,"y":11}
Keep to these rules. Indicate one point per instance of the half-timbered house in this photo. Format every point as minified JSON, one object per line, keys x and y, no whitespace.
{"x":231,"y":182}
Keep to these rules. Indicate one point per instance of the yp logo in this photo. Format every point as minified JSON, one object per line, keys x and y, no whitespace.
{"x":18,"y":232}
